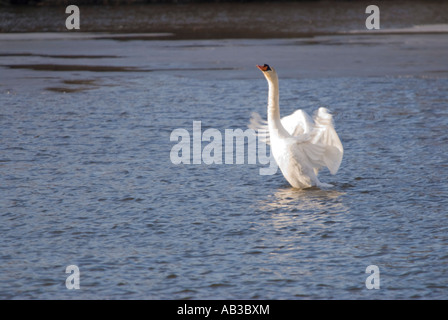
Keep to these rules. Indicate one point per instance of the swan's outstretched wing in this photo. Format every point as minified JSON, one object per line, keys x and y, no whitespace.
{"x":260,"y":126}
{"x":296,"y":124}
{"x":317,"y":137}
{"x":324,"y":148}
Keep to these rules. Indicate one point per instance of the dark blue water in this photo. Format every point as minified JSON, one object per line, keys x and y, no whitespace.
{"x":86,"y":179}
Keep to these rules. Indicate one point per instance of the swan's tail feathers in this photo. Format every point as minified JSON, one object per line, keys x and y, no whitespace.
{"x":326,"y":136}
{"x":260,"y":127}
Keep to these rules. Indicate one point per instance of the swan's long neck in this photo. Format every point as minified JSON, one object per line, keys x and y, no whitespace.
{"x":274,"y":122}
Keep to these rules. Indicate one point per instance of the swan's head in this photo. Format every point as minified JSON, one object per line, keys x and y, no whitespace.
{"x":268,"y":72}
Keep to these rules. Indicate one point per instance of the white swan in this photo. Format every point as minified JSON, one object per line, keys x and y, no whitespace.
{"x":300,"y":145}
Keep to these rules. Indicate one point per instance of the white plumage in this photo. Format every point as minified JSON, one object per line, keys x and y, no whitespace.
{"x":301,"y":145}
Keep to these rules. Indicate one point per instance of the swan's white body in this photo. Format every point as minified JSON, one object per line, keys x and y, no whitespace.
{"x":300,"y":145}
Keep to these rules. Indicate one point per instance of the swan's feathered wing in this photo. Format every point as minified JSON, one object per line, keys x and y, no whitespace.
{"x":260,"y":127}
{"x":298,"y":123}
{"x":317,"y":137}
{"x":324,"y":148}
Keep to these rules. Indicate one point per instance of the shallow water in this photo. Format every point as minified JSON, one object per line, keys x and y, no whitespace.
{"x":86,"y":175}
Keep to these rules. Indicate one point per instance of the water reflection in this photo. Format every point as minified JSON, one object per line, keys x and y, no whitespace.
{"x":311,"y":199}
{"x":292,"y":207}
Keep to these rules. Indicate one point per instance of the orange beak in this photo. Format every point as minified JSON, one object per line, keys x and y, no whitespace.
{"x":263,"y":68}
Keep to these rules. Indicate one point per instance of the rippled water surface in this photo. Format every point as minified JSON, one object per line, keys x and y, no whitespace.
{"x":86,"y":179}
